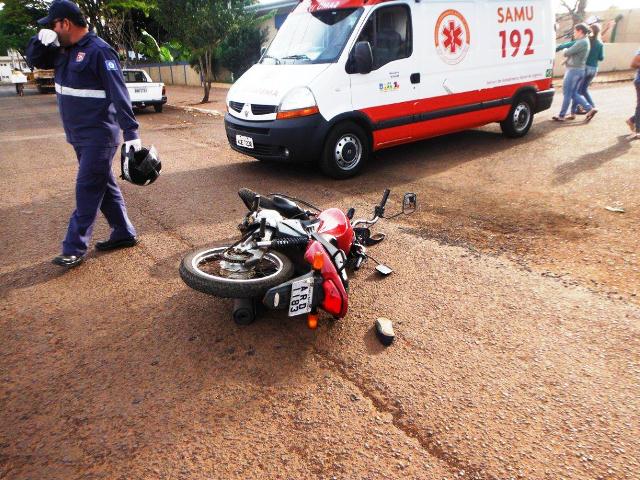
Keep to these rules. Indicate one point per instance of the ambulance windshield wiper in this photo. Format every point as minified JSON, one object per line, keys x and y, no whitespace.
{"x":301,"y":56}
{"x":272,"y":57}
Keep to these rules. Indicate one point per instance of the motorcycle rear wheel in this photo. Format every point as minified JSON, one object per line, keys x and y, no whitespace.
{"x":202,"y":271}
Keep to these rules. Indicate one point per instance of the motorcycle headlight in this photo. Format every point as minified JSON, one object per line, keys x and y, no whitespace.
{"x":298,"y":102}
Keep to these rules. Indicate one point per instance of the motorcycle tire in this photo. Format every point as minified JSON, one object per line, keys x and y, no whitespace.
{"x":219,"y":286}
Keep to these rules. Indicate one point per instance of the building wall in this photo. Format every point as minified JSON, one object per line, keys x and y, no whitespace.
{"x":179,"y":74}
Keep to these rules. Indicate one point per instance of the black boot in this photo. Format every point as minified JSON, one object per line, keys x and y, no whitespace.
{"x":68,"y":261}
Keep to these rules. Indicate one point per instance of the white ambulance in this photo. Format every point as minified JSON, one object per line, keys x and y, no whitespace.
{"x":345,"y":78}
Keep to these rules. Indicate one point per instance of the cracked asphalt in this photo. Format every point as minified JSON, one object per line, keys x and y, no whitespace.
{"x":514,"y":297}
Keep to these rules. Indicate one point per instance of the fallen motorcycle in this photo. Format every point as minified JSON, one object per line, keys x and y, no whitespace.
{"x":288,"y":257}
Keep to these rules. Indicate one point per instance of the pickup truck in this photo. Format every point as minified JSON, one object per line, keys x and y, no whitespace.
{"x":143,"y":91}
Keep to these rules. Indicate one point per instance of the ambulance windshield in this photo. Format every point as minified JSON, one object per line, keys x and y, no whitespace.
{"x":317,"y":37}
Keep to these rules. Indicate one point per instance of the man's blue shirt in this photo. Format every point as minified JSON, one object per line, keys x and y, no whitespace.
{"x":92,"y":97}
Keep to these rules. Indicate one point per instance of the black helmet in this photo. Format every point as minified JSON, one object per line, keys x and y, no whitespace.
{"x":141,"y":167}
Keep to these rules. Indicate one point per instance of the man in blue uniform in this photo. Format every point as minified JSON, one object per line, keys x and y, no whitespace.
{"x":94,"y":105}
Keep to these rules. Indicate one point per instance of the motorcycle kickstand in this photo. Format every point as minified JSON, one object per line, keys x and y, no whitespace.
{"x":244,"y":311}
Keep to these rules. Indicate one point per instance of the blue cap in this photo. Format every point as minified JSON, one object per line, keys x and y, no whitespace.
{"x":61,"y":9}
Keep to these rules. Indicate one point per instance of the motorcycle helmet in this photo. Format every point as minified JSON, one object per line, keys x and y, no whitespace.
{"x":141,"y":167}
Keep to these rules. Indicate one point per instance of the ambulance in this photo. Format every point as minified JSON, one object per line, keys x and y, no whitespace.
{"x":345,"y":78}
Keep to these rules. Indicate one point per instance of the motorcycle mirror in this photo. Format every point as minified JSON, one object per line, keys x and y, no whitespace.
{"x":383,"y":270}
{"x":256,"y":203}
{"x":409,"y":203}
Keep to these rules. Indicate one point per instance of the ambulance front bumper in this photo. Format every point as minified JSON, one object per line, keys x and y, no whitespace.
{"x":292,"y":140}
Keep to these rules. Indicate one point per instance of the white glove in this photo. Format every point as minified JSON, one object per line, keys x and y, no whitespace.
{"x":48,"y":37}
{"x":135,"y":144}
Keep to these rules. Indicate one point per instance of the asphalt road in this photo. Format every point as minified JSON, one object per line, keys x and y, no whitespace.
{"x":514,"y":297}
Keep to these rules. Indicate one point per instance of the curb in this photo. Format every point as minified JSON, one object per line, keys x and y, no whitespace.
{"x":213,"y":113}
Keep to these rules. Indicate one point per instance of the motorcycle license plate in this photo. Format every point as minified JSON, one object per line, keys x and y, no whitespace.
{"x":242,"y":141}
{"x":140,"y":90}
{"x":301,"y":297}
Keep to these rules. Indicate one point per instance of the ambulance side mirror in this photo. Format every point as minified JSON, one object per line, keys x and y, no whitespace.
{"x":363,"y":57}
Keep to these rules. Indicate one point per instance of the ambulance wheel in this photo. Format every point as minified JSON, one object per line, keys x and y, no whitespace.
{"x":158,"y":108}
{"x":520,"y":118}
{"x":345,"y":152}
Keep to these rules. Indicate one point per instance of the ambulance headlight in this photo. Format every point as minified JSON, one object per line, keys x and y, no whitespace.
{"x":298,"y":102}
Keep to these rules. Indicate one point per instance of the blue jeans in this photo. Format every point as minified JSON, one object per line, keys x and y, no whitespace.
{"x":636,"y":118}
{"x":583,"y":89}
{"x":572,"y":79}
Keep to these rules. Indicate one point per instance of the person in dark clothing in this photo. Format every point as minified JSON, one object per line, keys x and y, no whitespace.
{"x":94,"y":105}
{"x":634,"y":121}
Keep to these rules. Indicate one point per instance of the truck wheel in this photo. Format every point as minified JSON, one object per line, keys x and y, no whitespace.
{"x":158,"y":108}
{"x":520,"y":117}
{"x":345,"y":152}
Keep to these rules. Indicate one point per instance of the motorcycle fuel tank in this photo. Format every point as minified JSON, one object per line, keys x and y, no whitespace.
{"x":334,"y":222}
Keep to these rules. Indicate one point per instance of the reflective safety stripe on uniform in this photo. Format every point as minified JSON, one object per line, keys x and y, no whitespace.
{"x":80,"y":92}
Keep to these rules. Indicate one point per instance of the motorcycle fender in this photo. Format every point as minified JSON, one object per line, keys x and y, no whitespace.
{"x":338,"y":307}
{"x":278,"y":297}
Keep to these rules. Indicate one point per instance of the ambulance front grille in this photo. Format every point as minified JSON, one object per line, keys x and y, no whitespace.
{"x":237,"y":106}
{"x":263,"y":109}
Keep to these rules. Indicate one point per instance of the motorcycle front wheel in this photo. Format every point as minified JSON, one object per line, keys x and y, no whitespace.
{"x":220,"y":272}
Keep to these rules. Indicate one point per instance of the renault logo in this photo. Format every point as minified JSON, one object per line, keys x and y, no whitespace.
{"x":246,"y":110}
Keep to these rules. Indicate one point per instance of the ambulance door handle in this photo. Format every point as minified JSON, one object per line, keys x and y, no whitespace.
{"x":415,"y":78}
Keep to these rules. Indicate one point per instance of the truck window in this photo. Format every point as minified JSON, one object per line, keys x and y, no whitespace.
{"x":388,"y":31}
{"x":131,"y":76}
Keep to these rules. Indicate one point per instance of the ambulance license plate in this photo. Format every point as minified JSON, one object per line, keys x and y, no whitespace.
{"x":140,"y":90}
{"x":242,"y":141}
{"x":301,"y":297}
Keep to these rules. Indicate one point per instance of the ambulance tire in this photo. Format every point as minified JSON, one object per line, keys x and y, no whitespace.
{"x":346,"y":151}
{"x":520,"y":118}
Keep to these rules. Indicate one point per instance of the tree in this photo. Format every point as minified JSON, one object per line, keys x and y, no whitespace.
{"x":577,"y":12}
{"x":241,"y":48}
{"x":18,"y":23}
{"x":201,"y":26}
{"x":118,"y":21}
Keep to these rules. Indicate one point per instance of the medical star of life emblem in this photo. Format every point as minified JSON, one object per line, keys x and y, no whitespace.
{"x":452,"y":37}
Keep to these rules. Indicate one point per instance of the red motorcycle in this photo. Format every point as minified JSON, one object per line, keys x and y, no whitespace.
{"x":288,"y":257}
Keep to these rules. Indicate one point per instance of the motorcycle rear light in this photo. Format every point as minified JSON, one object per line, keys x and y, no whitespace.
{"x":312,"y":321}
{"x":318,"y":261}
{"x":332,"y":299}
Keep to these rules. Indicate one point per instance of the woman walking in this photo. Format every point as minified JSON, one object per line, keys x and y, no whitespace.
{"x":576,"y":61}
{"x":596,"y":55}
{"x":634,"y":122}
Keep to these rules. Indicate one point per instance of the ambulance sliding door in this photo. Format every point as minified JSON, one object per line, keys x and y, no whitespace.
{"x":386,"y":94}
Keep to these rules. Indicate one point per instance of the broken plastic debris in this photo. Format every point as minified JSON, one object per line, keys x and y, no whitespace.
{"x":384,"y":330}
{"x":615,"y":209}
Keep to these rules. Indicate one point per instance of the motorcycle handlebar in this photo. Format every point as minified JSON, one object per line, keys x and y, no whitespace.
{"x":385,"y":197}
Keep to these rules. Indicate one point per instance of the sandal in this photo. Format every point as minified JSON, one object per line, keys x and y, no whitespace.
{"x":570,"y":117}
{"x":631,"y":125}
{"x":557,"y":118}
{"x":590,"y":114}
